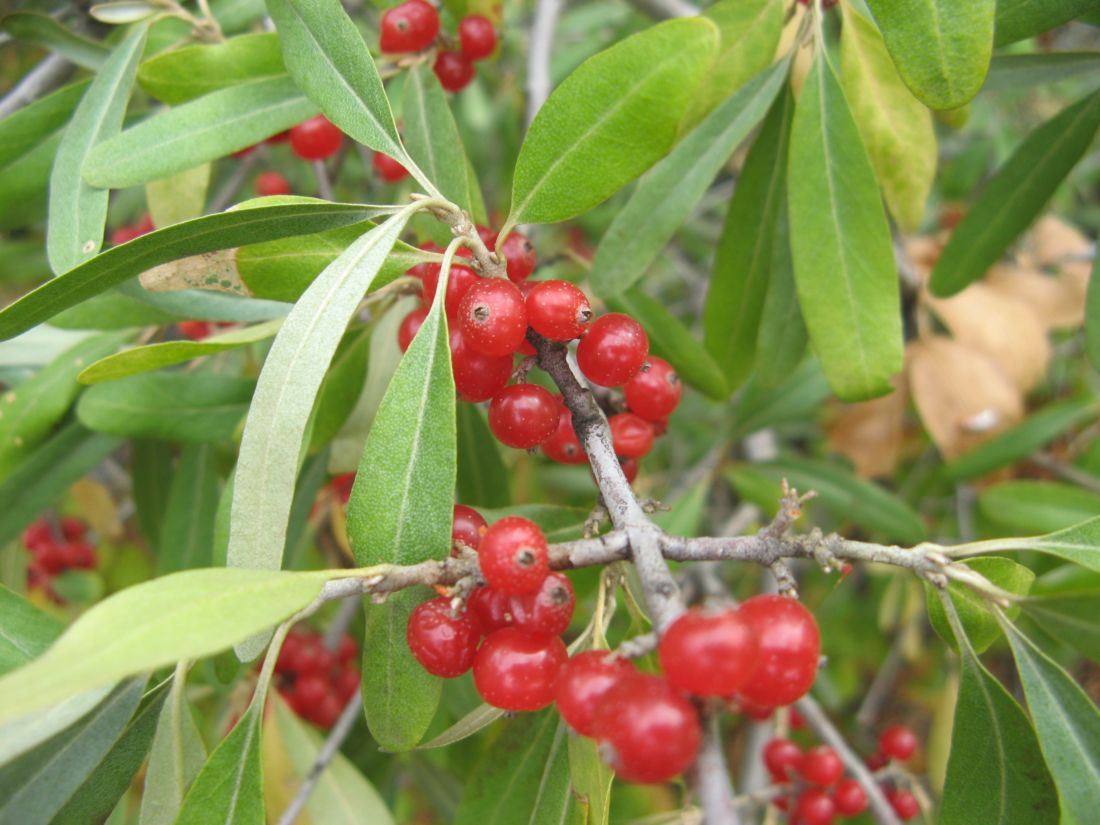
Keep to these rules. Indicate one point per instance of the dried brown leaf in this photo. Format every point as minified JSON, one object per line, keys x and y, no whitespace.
{"x":1057,"y":300}
{"x":869,"y":434}
{"x":1053,"y":240}
{"x":211,"y":270}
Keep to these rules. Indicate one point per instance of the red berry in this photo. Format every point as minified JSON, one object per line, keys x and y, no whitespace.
{"x":347,"y":650}
{"x":519,"y":254}
{"x":461,"y":279}
{"x":655,"y":391}
{"x":708,"y":654}
{"x":279,"y":137}
{"x":814,"y":807}
{"x":905,"y":805}
{"x":523,"y":416}
{"x":547,"y":610}
{"x":341,"y":486}
{"x":898,"y":742}
{"x":466,"y":527}
{"x":310,"y":690}
{"x":646,"y":730}
{"x":493,"y":316}
{"x":487,"y":235}
{"x":346,"y":684}
{"x":327,"y":711}
{"x":558,"y":310}
{"x":388,"y":169}
{"x":797,"y":722}
{"x":877,"y":760}
{"x":477,"y":377}
{"x":613,"y":350}
{"x":782,"y":758}
{"x":514,"y":556}
{"x":443,"y":643}
{"x":315,"y":139}
{"x":81,"y":555}
{"x":454,"y":70}
{"x":37,"y":534}
{"x":409,"y":27}
{"x":73,"y":528}
{"x":849,"y":797}
{"x":821,"y":766}
{"x":630,"y":468}
{"x":271,"y":183}
{"x":490,"y":609}
{"x":631,"y":436}
{"x":515,"y":670}
{"x":477,"y":36}
{"x":52,"y":557}
{"x":291,"y":646}
{"x":585,"y":680}
{"x":564,"y":446}
{"x":245,"y":152}
{"x":145,"y":224}
{"x":195,"y":330}
{"x":410,"y":325}
{"x":789,"y":648}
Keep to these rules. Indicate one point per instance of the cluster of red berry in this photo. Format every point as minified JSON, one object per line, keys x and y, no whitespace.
{"x":55,"y":549}
{"x":820,"y":792}
{"x":317,"y":682}
{"x":130,"y":231}
{"x":413,"y":26}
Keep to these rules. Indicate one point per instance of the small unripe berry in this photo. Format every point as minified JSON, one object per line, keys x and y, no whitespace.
{"x":408,"y":27}
{"x":584,"y":681}
{"x":443,"y":643}
{"x":613,"y":350}
{"x":515,"y":670}
{"x":514,"y":556}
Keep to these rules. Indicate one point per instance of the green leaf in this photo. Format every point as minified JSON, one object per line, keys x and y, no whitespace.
{"x":744,"y":263}
{"x":25,"y":631}
{"x":482,"y":478}
{"x":180,"y":75}
{"x":1079,"y":544}
{"x":1022,"y":440}
{"x":151,"y":471}
{"x":122,"y":12}
{"x":176,"y":406}
{"x":978,"y":622}
{"x":185,"y":615}
{"x":1016,"y":194}
{"x":205,"y":305}
{"x":668,"y":192}
{"x":1068,"y":725}
{"x":220,"y":231}
{"x":229,"y":788}
{"x":671,"y":340}
{"x":25,"y":130}
{"x":1021,"y":19}
{"x":781,"y":339}
{"x":399,"y":696}
{"x":78,"y":212}
{"x":941,"y":47}
{"x":1010,"y":72}
{"x":177,"y":757}
{"x":342,"y":386}
{"x":202,"y":130}
{"x":136,"y":360}
{"x":524,"y":778}
{"x":179,"y":197}
{"x":1071,"y":618}
{"x":43,"y":30}
{"x":587,"y":141}
{"x":1092,"y":316}
{"x":763,"y":405}
{"x":473,"y":722}
{"x":1029,"y":507}
{"x":591,"y":779}
{"x":187,"y":533}
{"x":843,"y":256}
{"x":895,"y":126}
{"x":557,"y":522}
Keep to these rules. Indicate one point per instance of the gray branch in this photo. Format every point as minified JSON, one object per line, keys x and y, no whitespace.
{"x":540,"y":46}
{"x":664,"y":9}
{"x":46,"y":76}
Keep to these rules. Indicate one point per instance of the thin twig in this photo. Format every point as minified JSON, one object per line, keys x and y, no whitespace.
{"x":1067,"y":471}
{"x":324,"y":183}
{"x":46,"y":76}
{"x":539,"y":48}
{"x":712,"y":778}
{"x":228,"y":191}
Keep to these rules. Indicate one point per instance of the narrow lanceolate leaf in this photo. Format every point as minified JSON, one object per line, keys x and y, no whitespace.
{"x":1029,"y":507}
{"x":1021,"y":19}
{"x":1072,"y":618}
{"x":177,"y":757}
{"x":1018,"y":71}
{"x":25,"y":631}
{"x":433,"y":139}
{"x":183,"y":616}
{"x":220,"y":231}
{"x":972,"y":610}
{"x":43,"y":30}
{"x":1068,"y":724}
{"x":586,"y":141}
{"x":667,"y":194}
{"x":941,"y":47}
{"x":342,"y":386}
{"x":781,"y":340}
{"x":843,"y":256}
{"x":202,"y":130}
{"x":21,"y":133}
{"x":1092,"y":316}
{"x":895,"y":126}
{"x":744,"y":262}
{"x":187,"y":533}
{"x":179,"y":75}
{"x":1016,"y":194}
{"x":591,"y":779}
{"x":229,"y":788}
{"x":482,"y":477}
{"x":1079,"y":544}
{"x":473,"y":722}
{"x":78,"y":212}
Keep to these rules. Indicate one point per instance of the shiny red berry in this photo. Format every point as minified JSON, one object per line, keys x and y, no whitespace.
{"x":80,"y":555}
{"x":584,"y":681}
{"x":646,"y":730}
{"x":654,"y":392}
{"x":789,"y":648}
{"x":849,"y":797}
{"x":493,"y":316}
{"x":315,"y":139}
{"x":477,"y":36}
{"x":454,"y":70}
{"x":477,"y":377}
{"x":558,"y":310}
{"x":814,"y":807}
{"x":548,"y":610}
{"x":782,"y":758}
{"x":523,"y":416}
{"x":631,"y":435}
{"x":388,"y":169}
{"x":73,"y":528}
{"x":514,"y":556}
{"x":346,"y":684}
{"x":490,"y":609}
{"x":410,"y":325}
{"x":708,"y":654}
{"x":903,"y":802}
{"x":37,"y":534}
{"x":309,"y":691}
{"x":613,"y":350}
{"x":515,"y":670}
{"x":408,"y":27}
{"x":347,"y":650}
{"x":564,"y":446}
{"x":195,"y":330}
{"x":466,"y":527}
{"x":898,"y":742}
{"x":271,"y":183}
{"x":442,"y":642}
{"x":821,"y":766}
{"x":326,"y":713}
{"x":519,"y":254}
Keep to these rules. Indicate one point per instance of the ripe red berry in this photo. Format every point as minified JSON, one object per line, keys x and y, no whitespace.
{"x":466,"y":527}
{"x":708,"y":654}
{"x":73,"y":528}
{"x":490,"y":609}
{"x":515,"y":670}
{"x":547,"y":610}
{"x":646,"y":730}
{"x":195,"y":330}
{"x":821,"y":766}
{"x":315,"y":139}
{"x":493,"y":316}
{"x":454,"y":70}
{"x":523,"y":415}
{"x":905,"y":805}
{"x":477,"y":36}
{"x":443,"y":643}
{"x":519,"y":254}
{"x":37,"y":534}
{"x":410,"y":325}
{"x":477,"y":377}
{"x":782,"y":758}
{"x":814,"y":807}
{"x":630,"y":468}
{"x":461,"y":279}
{"x":877,"y":760}
{"x":631,"y":436}
{"x":347,"y":650}
{"x":408,"y":27}
{"x":514,"y":556}
{"x":388,"y":169}
{"x":309,"y":691}
{"x":564,"y":446}
{"x":898,"y":742}
{"x":326,"y":713}
{"x":271,"y":183}
{"x":558,"y":310}
{"x":613,"y":350}
{"x":52,"y":557}
{"x":849,"y":797}
{"x":346,"y":684}
{"x":584,"y":681}
{"x":654,"y":393}
{"x":79,"y":554}
{"x":789,"y":647}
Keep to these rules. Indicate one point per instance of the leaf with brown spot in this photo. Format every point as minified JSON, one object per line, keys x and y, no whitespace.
{"x":211,"y":270}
